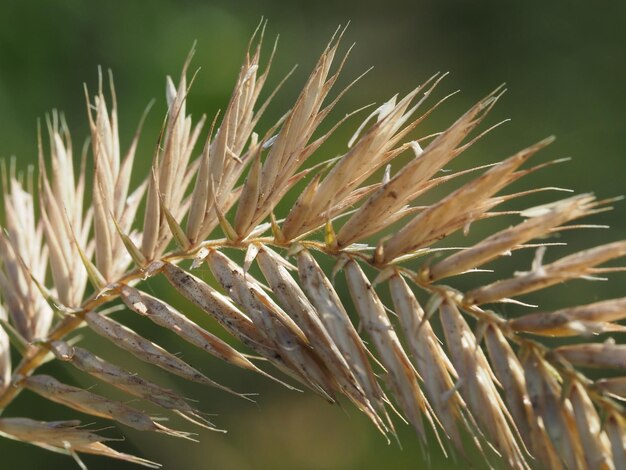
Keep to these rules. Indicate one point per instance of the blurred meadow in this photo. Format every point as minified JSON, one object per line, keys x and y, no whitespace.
{"x":564,"y":64}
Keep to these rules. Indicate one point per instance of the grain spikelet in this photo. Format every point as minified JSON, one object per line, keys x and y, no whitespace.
{"x":615,"y":429}
{"x":147,"y":351}
{"x":61,"y":214}
{"x":112,"y":196}
{"x":295,"y":302}
{"x":541,"y":276}
{"x":22,"y":245}
{"x":431,"y":361}
{"x":65,"y":437}
{"x":384,"y":203}
{"x":510,"y":374}
{"x":291,"y":148}
{"x":606,"y":355}
{"x":584,"y":319}
{"x":95,"y":405}
{"x":281,"y":330}
{"x":505,"y":240}
{"x":334,"y":317}
{"x":476,"y":384}
{"x":458,"y":209}
{"x":372,"y":151}
{"x":596,"y":445}
{"x":228,"y":315}
{"x":213,"y":303}
{"x":556,"y":412}
{"x":127,"y":381}
{"x":400,"y":376}
{"x":166,"y":316}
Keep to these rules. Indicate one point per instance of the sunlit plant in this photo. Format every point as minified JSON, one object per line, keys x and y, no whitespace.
{"x":445,"y":360}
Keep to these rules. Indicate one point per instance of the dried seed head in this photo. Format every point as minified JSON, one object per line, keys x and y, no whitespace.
{"x":541,"y":276}
{"x":372,"y":151}
{"x":537,"y":225}
{"x":595,"y":442}
{"x":584,"y":319}
{"x":607,"y":355}
{"x":130,"y":383}
{"x":431,"y":362}
{"x":529,"y":399}
{"x":65,"y":437}
{"x":302,"y":311}
{"x":384,"y":203}
{"x":166,"y":316}
{"x":147,"y":351}
{"x":477,"y":385}
{"x":24,"y":258}
{"x":331,"y":311}
{"x":458,"y":209}
{"x":95,"y":405}
{"x":400,"y":376}
{"x":556,"y":412}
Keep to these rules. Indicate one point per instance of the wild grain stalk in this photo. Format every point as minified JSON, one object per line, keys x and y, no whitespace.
{"x":525,"y":404}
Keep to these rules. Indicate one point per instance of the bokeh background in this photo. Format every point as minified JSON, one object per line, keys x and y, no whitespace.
{"x":565,"y":68}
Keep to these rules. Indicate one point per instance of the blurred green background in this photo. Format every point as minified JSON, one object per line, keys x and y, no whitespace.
{"x":565,"y":68}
